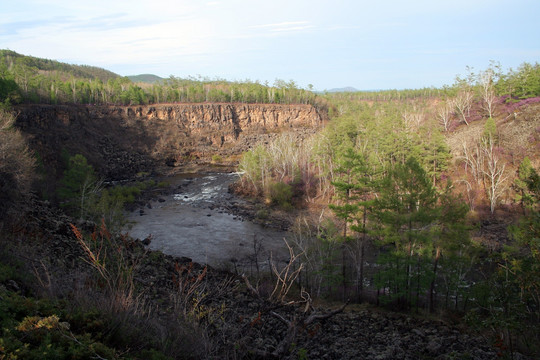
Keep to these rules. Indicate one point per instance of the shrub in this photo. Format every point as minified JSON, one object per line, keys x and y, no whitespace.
{"x":36,"y":329}
{"x":114,"y":265}
{"x":262,"y":214}
{"x":216,"y":159}
{"x":280,"y":194}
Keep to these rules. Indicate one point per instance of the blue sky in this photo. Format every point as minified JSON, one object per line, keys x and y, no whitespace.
{"x":378,"y":44}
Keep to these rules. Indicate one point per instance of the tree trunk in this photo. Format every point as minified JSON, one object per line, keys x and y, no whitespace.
{"x":432,"y":285}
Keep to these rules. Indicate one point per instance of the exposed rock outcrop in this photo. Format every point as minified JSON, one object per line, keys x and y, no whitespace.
{"x":123,"y":140}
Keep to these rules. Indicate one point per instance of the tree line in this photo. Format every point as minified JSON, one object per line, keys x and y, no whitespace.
{"x":513,"y":85}
{"x":33,"y":80}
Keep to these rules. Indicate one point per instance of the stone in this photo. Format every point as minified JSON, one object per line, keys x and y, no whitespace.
{"x":434,"y":346}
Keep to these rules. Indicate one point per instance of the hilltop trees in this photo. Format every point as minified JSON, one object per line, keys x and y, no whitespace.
{"x":463,"y":102}
{"x":486,"y":82}
{"x":45,"y":81}
{"x":479,"y":94}
{"x":522,"y":83}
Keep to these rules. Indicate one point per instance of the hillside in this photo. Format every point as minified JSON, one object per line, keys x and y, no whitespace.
{"x":145,"y":78}
{"x":12,"y":61}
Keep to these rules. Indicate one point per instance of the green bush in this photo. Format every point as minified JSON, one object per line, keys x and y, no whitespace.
{"x":280,"y":194}
{"x":36,"y":329}
{"x":83,"y":195}
{"x":262,"y":214}
{"x":216,"y":159}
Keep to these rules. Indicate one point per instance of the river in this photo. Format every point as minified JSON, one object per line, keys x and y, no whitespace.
{"x":197,"y":221}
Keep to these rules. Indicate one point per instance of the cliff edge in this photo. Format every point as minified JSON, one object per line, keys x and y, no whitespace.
{"x":120,"y":141}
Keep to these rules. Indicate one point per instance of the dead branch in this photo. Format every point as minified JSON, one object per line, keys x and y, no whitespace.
{"x":250,"y":287}
{"x":286,"y":277}
{"x":298,"y":322}
{"x":315,"y":316}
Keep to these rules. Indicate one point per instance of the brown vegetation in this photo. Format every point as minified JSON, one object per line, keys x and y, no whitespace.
{"x":16,"y":165}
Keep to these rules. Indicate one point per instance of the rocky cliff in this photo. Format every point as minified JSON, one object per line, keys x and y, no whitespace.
{"x":123,"y":140}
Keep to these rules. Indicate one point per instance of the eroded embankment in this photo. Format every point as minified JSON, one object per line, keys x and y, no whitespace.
{"x":120,"y":141}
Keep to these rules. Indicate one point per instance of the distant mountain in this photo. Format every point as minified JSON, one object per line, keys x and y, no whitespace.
{"x":344,"y":89}
{"x":145,"y":78}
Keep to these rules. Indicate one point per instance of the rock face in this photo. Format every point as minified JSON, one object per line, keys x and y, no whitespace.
{"x":123,"y":140}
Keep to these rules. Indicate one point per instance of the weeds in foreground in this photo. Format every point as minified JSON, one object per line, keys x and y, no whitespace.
{"x":115,"y":265}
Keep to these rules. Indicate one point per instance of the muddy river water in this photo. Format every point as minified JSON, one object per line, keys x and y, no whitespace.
{"x":197,"y":221}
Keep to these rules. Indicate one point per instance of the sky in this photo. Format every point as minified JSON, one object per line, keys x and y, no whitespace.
{"x":377,"y":44}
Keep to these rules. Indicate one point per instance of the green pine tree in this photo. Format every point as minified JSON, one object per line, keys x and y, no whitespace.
{"x":405,"y":210}
{"x":78,"y":185}
{"x":490,"y":131}
{"x":523,"y":195}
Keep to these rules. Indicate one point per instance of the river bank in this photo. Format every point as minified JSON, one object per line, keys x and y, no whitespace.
{"x":235,"y":324}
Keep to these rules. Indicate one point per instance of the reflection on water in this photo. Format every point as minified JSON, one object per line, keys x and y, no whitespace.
{"x":196,"y":222}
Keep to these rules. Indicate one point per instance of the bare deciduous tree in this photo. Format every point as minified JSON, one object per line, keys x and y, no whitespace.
{"x":304,"y":315}
{"x":494,"y":171}
{"x":444,"y":115}
{"x":485,"y":164}
{"x":413,"y":119}
{"x":486,"y":81}
{"x":462,"y":103}
{"x":473,"y":158}
{"x":286,"y":277}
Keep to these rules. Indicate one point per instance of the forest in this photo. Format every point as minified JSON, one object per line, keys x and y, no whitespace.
{"x":402,"y":187}
{"x":34,"y":80}
{"x":422,"y":200}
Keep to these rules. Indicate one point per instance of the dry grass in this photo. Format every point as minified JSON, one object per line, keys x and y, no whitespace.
{"x":16,"y":164}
